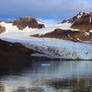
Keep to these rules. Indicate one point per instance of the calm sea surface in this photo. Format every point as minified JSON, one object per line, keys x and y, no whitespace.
{"x":50,"y":76}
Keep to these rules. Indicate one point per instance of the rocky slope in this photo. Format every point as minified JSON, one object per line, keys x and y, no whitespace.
{"x":75,"y":18}
{"x":68,"y":35}
{"x":80,"y":30}
{"x":24,"y":22}
{"x":2,"y":29}
{"x":27,"y":21}
{"x":82,"y":21}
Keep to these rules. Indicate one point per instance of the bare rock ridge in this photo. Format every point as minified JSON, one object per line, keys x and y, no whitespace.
{"x":68,"y":35}
{"x":2,"y":29}
{"x":23,"y":22}
{"x":82,"y":21}
{"x":27,"y":21}
{"x":75,"y":18}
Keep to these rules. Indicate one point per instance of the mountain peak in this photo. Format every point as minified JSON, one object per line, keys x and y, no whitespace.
{"x":84,"y":22}
{"x":77,"y":17}
{"x":23,"y":22}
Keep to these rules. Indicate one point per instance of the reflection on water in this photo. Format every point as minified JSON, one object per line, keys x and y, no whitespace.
{"x":49,"y":76}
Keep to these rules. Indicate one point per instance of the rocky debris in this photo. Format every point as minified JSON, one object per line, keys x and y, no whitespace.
{"x":68,"y":35}
{"x":2,"y":29}
{"x":23,"y":22}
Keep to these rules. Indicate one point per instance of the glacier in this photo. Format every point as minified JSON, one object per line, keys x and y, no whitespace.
{"x":53,"y":47}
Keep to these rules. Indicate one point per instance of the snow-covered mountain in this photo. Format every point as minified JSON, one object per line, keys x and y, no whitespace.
{"x":82,"y":21}
{"x":80,"y":29}
{"x":57,"y":40}
{"x":75,"y":18}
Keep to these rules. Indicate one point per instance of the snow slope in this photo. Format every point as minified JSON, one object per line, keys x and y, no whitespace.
{"x":54,"y":47}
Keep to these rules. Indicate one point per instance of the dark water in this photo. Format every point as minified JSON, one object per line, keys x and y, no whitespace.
{"x":51,"y":76}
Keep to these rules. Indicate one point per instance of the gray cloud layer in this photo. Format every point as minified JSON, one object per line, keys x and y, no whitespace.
{"x":43,"y":8}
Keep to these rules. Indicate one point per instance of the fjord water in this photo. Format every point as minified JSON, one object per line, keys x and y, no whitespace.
{"x":51,"y":76}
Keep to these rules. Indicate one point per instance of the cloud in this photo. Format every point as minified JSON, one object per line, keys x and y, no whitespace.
{"x":43,"y":8}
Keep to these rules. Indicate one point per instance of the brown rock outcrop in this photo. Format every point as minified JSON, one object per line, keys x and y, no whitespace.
{"x":2,"y":29}
{"x":23,"y":22}
{"x":84,"y":23}
{"x":68,"y":35}
{"x":75,"y":18}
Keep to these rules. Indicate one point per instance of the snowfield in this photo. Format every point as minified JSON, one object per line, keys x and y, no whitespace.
{"x":53,"y":47}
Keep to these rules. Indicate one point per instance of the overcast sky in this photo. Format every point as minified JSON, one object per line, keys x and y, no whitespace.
{"x":45,"y":9}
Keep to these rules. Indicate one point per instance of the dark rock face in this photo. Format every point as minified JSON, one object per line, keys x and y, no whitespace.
{"x":84,"y":23}
{"x":68,"y":35}
{"x":72,"y":20}
{"x":67,"y":21}
{"x":13,"y":57}
{"x":26,"y":21}
{"x":75,"y":18}
{"x":2,"y":29}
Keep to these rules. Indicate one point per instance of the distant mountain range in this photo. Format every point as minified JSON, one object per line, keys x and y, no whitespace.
{"x":80,"y":29}
{"x":69,"y":39}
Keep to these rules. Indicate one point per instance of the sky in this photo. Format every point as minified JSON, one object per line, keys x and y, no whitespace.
{"x":46,"y":10}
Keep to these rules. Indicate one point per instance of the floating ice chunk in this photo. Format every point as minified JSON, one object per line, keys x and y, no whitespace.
{"x":45,"y":65}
